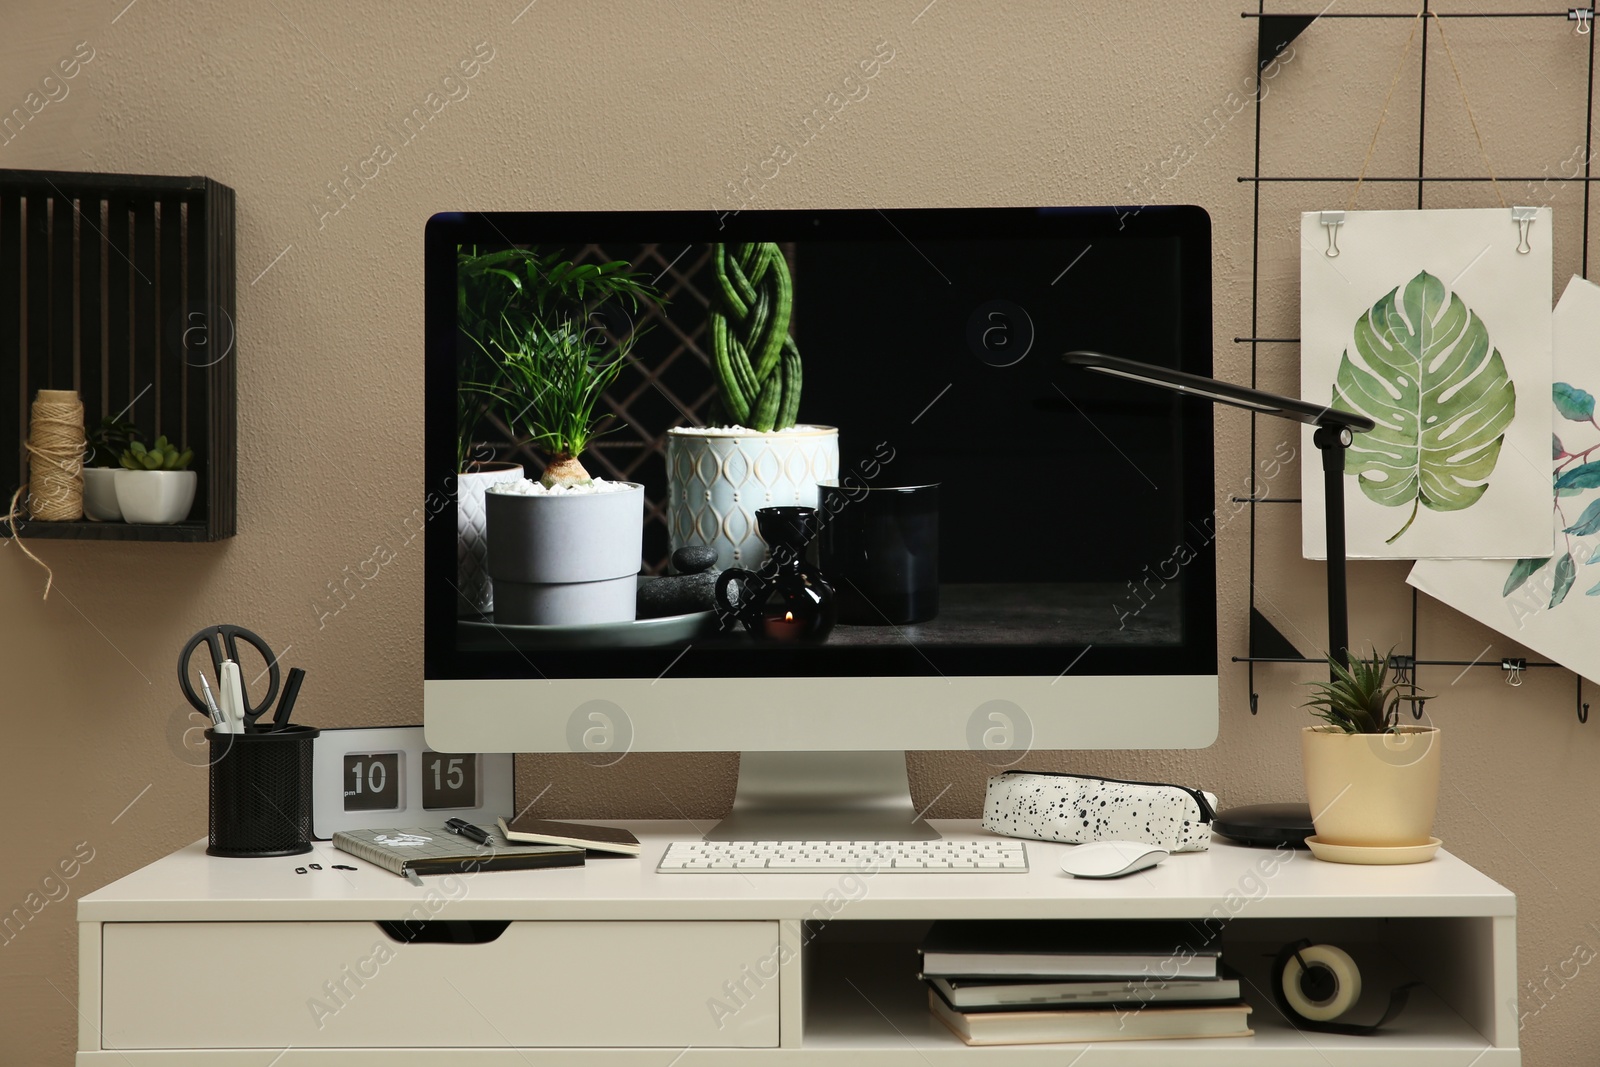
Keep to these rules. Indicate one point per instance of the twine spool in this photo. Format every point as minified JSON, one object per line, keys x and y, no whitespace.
{"x":55,"y":449}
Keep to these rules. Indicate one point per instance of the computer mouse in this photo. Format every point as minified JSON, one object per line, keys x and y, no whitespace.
{"x":1111,"y":859}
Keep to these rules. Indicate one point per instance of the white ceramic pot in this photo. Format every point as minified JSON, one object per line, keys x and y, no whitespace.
{"x":1372,"y":790}
{"x":100,"y":494}
{"x":565,"y":560}
{"x":157,"y":497}
{"x":474,"y":592}
{"x":717,"y":479}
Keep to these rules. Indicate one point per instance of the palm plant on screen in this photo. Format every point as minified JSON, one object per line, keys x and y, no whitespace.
{"x":549,"y":337}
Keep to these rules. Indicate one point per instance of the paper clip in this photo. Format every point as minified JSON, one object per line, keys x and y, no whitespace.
{"x":1583,"y":17}
{"x":1333,"y":220}
{"x":1523,"y":217}
{"x":1513,"y":669}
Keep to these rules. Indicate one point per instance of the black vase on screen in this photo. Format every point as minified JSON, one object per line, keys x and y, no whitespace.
{"x":788,"y":600}
{"x":881,"y":545}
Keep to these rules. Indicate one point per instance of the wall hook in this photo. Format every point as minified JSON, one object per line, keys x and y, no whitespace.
{"x":1583,"y":706}
{"x":1255,"y":700}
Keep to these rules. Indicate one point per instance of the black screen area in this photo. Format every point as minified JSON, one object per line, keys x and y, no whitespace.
{"x":1071,"y":525}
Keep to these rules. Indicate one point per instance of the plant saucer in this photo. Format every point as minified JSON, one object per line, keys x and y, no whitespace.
{"x":1373,"y":854}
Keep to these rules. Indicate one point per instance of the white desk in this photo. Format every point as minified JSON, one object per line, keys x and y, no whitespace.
{"x":612,"y":964}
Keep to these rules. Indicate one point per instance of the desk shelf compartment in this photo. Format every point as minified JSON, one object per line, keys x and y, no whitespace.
{"x":122,"y":287}
{"x":864,"y":1003}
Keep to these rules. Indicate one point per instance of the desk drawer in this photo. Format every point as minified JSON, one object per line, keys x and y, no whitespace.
{"x":349,"y":984}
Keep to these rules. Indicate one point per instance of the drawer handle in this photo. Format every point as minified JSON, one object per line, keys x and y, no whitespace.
{"x":443,"y":931}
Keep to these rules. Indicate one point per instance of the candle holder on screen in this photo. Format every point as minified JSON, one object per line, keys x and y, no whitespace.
{"x":788,"y":601}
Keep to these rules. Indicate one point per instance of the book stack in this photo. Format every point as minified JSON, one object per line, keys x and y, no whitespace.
{"x":1030,"y":982}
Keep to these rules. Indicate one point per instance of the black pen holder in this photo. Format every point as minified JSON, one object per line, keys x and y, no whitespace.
{"x":261,"y":792}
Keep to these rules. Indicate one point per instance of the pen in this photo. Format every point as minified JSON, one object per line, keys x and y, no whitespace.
{"x":291,"y":693}
{"x":467,"y":830}
{"x":211,"y":703}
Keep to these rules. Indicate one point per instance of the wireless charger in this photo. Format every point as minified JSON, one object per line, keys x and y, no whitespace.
{"x":1266,"y":825}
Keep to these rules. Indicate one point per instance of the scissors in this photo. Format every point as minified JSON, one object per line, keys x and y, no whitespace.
{"x":223,"y":642}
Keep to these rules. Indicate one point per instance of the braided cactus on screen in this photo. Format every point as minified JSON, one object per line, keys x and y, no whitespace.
{"x":756,"y":361}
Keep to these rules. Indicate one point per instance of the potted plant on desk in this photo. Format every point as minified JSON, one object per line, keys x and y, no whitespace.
{"x":563,"y":550}
{"x":1373,"y":783}
{"x":155,"y":485}
{"x":718,"y":477}
{"x":101,"y":462}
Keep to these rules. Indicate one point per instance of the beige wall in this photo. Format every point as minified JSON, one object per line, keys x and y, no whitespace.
{"x":661,"y":106}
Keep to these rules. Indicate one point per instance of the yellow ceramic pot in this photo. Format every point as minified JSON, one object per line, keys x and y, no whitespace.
{"x":1372,"y":790}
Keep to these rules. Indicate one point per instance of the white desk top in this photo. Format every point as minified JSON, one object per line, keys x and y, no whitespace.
{"x":1259,"y":883}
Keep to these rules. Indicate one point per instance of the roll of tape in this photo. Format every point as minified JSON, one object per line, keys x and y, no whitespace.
{"x":1321,"y":982}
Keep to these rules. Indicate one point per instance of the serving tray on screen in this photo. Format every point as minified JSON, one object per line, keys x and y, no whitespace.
{"x":485,"y":635}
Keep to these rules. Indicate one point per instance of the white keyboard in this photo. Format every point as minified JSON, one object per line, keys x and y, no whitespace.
{"x":859,"y":857}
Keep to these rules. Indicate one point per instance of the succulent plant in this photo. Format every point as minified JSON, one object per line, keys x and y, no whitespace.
{"x":161,"y":456}
{"x":1360,"y":699}
{"x":756,"y":361}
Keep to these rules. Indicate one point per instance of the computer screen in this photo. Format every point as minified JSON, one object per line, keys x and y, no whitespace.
{"x":952,"y":501}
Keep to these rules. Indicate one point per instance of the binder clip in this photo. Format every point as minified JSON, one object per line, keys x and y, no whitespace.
{"x":1583,"y":19}
{"x":1523,"y":217}
{"x":1332,"y":220}
{"x":1513,"y":669}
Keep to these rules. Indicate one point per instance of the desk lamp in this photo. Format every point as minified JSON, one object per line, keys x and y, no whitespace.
{"x":1269,"y":825}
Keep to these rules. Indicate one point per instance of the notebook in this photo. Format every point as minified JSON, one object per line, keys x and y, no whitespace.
{"x":434,"y":850}
{"x":576,"y":834}
{"x":989,"y":994}
{"x":1067,"y":949}
{"x":1093,"y":1024}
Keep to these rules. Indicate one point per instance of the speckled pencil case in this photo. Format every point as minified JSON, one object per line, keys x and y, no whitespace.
{"x":1075,"y":808}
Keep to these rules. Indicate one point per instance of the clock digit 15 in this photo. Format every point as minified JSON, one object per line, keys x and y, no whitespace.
{"x":449,"y":781}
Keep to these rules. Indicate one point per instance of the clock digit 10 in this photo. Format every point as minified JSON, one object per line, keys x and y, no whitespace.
{"x":449,"y":781}
{"x":372,"y":781}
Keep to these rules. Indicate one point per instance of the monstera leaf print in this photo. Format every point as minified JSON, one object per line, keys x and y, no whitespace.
{"x":1439,"y":393}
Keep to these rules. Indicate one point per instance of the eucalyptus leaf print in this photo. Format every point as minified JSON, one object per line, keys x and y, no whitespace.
{"x":1430,"y":377}
{"x":1575,"y":474}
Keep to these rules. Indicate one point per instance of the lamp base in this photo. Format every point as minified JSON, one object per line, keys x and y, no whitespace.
{"x":1266,"y":825}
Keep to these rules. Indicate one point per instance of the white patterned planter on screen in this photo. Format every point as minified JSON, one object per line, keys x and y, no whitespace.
{"x":157,"y":497}
{"x":717,"y":478}
{"x":565,"y":560}
{"x":474,"y":593}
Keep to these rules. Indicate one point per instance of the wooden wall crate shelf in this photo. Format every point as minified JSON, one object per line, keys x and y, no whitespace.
{"x":122,"y":287}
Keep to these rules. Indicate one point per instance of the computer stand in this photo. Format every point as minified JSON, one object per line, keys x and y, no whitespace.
{"x":822,"y":796}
